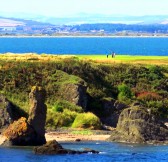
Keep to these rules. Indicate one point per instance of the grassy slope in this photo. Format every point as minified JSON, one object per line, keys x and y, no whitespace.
{"x":103,"y":75}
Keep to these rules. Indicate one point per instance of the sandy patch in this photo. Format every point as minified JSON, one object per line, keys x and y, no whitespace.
{"x":72,"y":137}
{"x":2,"y":139}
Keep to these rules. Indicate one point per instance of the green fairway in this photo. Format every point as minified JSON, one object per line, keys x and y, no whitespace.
{"x":127,"y":59}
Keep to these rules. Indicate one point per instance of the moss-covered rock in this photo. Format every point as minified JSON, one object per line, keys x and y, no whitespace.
{"x":138,"y":125}
{"x":20,"y":133}
{"x":75,"y":93}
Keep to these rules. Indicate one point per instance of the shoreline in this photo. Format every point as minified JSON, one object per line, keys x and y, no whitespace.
{"x":68,"y":137}
{"x":83,"y":36}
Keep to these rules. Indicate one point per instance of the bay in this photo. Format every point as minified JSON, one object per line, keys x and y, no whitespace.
{"x":109,"y":151}
{"x":149,"y":46}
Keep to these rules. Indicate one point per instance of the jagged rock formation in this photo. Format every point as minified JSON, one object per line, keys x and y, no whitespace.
{"x":138,"y":125}
{"x":8,"y":112}
{"x":20,"y":133}
{"x":110,"y":111}
{"x":32,"y":131}
{"x":75,"y":93}
{"x":37,"y":112}
{"x":53,"y":147}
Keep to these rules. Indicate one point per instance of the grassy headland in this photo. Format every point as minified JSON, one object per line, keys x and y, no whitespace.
{"x":124,"y":78}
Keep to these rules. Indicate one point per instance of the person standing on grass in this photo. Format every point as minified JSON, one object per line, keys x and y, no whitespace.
{"x":113,"y":54}
{"x":107,"y":55}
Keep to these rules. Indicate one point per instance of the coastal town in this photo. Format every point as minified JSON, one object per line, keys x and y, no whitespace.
{"x":22,"y":27}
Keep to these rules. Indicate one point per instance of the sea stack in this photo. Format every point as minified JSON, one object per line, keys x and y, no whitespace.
{"x":37,"y":112}
{"x":29,"y":132}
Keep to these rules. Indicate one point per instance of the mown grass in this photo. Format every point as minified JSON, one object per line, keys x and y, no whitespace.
{"x":132,"y":59}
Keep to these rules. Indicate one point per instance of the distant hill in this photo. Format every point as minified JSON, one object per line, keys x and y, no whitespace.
{"x":85,"y":18}
{"x":14,"y":22}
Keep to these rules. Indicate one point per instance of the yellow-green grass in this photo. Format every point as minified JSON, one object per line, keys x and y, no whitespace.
{"x":157,"y":60}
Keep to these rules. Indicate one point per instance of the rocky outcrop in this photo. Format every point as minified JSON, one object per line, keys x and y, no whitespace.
{"x":75,"y":93}
{"x":138,"y":125}
{"x":53,"y":147}
{"x":8,"y":112}
{"x":29,"y":132}
{"x":37,"y":112}
{"x":20,"y":133}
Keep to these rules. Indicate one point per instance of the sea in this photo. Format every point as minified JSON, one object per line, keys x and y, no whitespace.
{"x":109,"y":152}
{"x":146,"y":46}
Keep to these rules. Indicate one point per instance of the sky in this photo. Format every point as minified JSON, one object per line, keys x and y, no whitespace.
{"x":66,"y":8}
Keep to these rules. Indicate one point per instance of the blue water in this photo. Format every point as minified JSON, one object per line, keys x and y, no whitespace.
{"x":83,"y":45}
{"x":110,"y":152}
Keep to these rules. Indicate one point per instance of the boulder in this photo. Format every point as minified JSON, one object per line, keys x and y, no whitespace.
{"x":29,"y":132}
{"x":20,"y":133}
{"x":53,"y":147}
{"x":138,"y":125}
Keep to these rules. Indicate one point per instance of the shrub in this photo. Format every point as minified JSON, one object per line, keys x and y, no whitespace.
{"x":125,"y":94}
{"x":60,"y":105}
{"x":57,"y":107}
{"x":57,"y":119}
{"x":66,"y":118}
{"x":148,"y":96}
{"x":87,"y":120}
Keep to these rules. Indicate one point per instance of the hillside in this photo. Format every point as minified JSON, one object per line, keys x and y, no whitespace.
{"x":75,"y":86}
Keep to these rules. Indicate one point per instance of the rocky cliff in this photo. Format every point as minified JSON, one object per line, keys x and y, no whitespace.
{"x":110,"y":111}
{"x":137,"y":125}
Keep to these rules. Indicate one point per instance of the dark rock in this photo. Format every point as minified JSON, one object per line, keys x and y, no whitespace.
{"x":78,"y":140}
{"x":29,"y":132}
{"x":75,"y":93}
{"x":138,"y":125}
{"x":111,"y":110}
{"x":8,"y":112}
{"x":37,"y":112}
{"x":119,"y":105}
{"x":53,"y":147}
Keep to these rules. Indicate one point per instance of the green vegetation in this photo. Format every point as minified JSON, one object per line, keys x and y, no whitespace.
{"x":127,"y":59}
{"x":87,"y":120}
{"x":82,"y":132}
{"x":60,"y":105}
{"x":124,"y":78}
{"x":125,"y":94}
